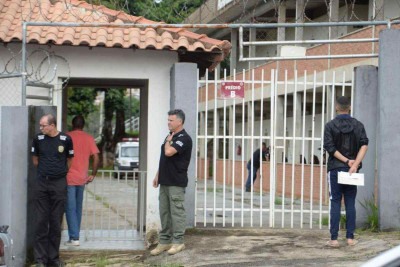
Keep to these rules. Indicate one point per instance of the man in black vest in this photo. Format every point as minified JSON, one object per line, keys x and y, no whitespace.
{"x":52,"y":153}
{"x":346,"y":142}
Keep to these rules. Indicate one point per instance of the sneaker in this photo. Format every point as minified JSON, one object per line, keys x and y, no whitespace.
{"x":160,"y":249}
{"x":176,"y":248}
{"x":73,"y":243}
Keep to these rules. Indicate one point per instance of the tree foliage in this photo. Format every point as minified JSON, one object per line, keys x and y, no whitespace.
{"x":81,"y":101}
{"x":169,"y":11}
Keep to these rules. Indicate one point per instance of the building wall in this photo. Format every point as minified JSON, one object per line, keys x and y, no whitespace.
{"x":116,"y":63}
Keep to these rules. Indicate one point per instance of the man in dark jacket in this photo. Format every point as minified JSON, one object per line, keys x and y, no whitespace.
{"x":254,"y":164}
{"x":346,"y":142}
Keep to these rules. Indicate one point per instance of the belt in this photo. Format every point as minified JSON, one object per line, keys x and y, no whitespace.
{"x":50,"y":177}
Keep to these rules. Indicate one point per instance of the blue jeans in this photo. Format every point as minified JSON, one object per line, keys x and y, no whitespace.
{"x":336,"y":191}
{"x":73,"y":210}
{"x":248,"y":182}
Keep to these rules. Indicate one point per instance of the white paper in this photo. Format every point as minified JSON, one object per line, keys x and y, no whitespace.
{"x":353,"y":179}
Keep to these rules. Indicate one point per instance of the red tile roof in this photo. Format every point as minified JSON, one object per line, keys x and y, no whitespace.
{"x":13,"y":12}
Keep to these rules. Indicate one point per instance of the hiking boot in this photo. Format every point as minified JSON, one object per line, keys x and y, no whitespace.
{"x":73,"y":243}
{"x":176,"y":248}
{"x":160,"y":249}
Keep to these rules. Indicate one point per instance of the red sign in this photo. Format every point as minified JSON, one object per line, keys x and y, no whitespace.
{"x":232,"y":90}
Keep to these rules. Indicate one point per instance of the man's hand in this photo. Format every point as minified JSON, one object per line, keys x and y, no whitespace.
{"x":353,"y":169}
{"x":351,"y":162}
{"x":155,"y":182}
{"x":90,"y":179}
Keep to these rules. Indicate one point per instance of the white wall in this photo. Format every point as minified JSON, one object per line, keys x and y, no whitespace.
{"x":117,"y":63}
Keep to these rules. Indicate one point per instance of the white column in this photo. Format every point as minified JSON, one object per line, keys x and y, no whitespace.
{"x":281,"y":19}
{"x":252,"y":49}
{"x":233,"y":55}
{"x":299,"y":19}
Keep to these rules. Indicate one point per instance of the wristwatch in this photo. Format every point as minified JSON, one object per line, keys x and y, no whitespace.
{"x":171,"y":142}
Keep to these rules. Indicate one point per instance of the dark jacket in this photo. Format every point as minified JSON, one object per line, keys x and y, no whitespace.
{"x":345,"y":134}
{"x":256,"y":158}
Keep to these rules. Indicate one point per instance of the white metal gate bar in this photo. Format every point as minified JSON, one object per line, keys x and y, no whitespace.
{"x":292,"y":185}
{"x":113,"y":206}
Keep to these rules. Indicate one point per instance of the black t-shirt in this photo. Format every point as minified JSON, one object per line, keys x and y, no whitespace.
{"x":173,"y":170}
{"x":53,"y":153}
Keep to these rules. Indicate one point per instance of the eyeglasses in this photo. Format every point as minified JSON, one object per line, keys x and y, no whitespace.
{"x":43,"y":125}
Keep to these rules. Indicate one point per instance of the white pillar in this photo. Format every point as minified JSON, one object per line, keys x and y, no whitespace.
{"x":233,"y":55}
{"x":252,"y":49}
{"x":299,"y":19}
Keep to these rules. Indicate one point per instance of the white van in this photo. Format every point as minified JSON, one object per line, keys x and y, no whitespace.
{"x":126,"y":157}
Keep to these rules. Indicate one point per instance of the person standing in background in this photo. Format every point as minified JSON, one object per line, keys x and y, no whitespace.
{"x":77,"y":177}
{"x":346,"y":142}
{"x":254,"y":163}
{"x":172,"y":177}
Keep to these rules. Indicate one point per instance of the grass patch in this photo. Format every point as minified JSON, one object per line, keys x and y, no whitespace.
{"x":211,"y":190}
{"x":278,"y":201}
{"x":372,"y":214}
{"x":342,"y":221}
{"x":325,"y":220}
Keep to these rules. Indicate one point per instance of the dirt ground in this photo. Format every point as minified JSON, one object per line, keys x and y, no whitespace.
{"x":255,"y":247}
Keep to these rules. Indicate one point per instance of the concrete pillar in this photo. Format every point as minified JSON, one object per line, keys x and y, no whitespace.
{"x":233,"y":55}
{"x":281,"y":19}
{"x":252,"y":48}
{"x":17,"y":175}
{"x":388,"y":129}
{"x":13,"y":177}
{"x":299,"y":19}
{"x":333,"y":17}
{"x":329,"y":102}
{"x":184,"y":96}
{"x":365,"y":110}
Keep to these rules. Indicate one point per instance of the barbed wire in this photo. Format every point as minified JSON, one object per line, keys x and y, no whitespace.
{"x":42,"y":66}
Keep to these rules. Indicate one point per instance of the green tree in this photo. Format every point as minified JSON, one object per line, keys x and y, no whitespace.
{"x":113,"y":103}
{"x":80,"y":102}
{"x":169,"y":11}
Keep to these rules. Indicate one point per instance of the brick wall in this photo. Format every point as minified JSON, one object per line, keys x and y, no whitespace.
{"x":318,"y":184}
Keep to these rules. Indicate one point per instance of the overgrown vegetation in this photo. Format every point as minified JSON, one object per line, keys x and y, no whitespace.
{"x":372,"y":214}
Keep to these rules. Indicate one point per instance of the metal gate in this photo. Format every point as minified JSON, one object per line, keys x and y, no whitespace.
{"x":114,"y":206}
{"x":287,"y":110}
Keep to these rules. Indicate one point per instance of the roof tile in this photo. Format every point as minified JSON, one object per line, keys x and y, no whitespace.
{"x":12,"y":12}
